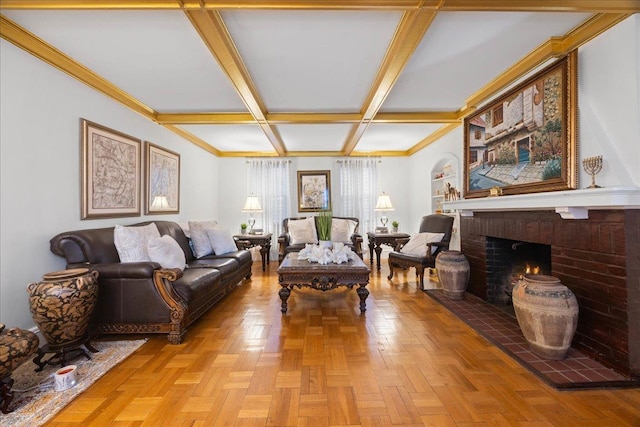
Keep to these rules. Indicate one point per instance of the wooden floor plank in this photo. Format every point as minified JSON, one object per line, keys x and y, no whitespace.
{"x":406,"y":361}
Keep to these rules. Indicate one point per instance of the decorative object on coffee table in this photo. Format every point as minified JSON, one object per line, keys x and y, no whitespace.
{"x":453,"y":273}
{"x":16,"y":346}
{"x":324,"y":228}
{"x":61,"y":305}
{"x":547,"y":312}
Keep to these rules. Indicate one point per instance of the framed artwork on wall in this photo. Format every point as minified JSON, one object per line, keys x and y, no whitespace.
{"x":314,"y":191}
{"x":111,"y":173}
{"x":162,"y":180}
{"x":525,"y":140}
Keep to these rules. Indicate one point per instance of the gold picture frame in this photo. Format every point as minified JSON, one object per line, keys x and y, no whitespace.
{"x":525,"y":141}
{"x":314,"y":191}
{"x":111,"y":172}
{"x":162,"y":180}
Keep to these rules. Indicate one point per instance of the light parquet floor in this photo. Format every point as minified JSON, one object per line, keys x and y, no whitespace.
{"x":406,"y":362}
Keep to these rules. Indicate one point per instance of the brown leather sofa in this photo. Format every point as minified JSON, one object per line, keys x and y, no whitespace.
{"x":142,"y":297}
{"x":285,"y":246}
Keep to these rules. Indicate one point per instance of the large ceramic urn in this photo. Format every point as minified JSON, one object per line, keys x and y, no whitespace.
{"x":16,"y":345}
{"x":547,"y":312}
{"x":62,"y":303}
{"x":453,"y":273}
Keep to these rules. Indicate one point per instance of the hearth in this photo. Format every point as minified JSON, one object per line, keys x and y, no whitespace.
{"x":508,"y":261}
{"x":596,"y":257}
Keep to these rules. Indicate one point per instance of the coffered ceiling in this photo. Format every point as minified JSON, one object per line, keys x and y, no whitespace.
{"x":305,"y":77}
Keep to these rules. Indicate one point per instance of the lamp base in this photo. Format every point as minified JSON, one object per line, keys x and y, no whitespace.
{"x":382,"y":229}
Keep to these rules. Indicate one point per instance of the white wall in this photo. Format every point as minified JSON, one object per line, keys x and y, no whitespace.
{"x":40,"y":111}
{"x":609,"y":104}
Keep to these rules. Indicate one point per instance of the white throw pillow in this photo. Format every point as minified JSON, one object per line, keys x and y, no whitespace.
{"x":302,"y":231}
{"x":342,"y":230}
{"x":221,"y":241}
{"x":417,"y":245}
{"x":131,"y":242}
{"x":199,"y":238}
{"x":166,"y":252}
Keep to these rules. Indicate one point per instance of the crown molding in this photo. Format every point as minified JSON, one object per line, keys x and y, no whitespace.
{"x":37,"y":47}
{"x":432,"y":138}
{"x":193,"y":139}
{"x":555,"y":47}
{"x":593,"y":6}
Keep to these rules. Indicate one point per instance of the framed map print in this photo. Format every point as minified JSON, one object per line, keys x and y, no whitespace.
{"x":162,"y":180}
{"x":111,"y":173}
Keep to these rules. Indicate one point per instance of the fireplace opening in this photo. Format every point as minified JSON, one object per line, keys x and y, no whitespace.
{"x":508,"y":261}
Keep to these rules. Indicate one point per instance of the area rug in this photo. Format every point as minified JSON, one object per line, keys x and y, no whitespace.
{"x":40,"y":401}
{"x":499,"y":327}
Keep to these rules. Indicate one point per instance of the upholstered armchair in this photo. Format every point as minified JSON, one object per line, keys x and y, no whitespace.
{"x":422,"y":249}
{"x":297,"y":232}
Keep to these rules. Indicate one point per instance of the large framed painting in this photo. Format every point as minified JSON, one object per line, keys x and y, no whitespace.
{"x":314,"y":191}
{"x":162,"y":180}
{"x":111,"y":173}
{"x":525,"y":141}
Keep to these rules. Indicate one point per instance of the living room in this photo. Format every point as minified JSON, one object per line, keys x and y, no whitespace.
{"x":41,"y":109}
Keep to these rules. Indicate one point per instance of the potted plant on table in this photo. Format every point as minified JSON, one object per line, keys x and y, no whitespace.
{"x":243,"y":228}
{"x":395,"y":224}
{"x":324,"y":228}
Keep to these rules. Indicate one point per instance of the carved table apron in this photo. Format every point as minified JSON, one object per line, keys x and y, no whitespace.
{"x":303,"y":273}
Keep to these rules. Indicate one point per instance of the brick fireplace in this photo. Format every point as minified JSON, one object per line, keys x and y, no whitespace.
{"x":598,"y":258}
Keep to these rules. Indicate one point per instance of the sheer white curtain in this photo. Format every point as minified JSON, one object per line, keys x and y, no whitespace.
{"x":358,"y":187}
{"x":270,"y":180}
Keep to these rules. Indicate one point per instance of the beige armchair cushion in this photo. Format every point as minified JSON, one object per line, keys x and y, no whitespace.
{"x":303,"y":231}
{"x":417,"y":245}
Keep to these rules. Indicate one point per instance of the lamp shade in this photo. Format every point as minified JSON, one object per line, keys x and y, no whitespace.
{"x":384,"y":203}
{"x":252,"y":204}
{"x":160,"y":202}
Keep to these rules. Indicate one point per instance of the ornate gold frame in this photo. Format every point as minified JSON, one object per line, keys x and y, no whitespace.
{"x":543,"y":141}
{"x":317,"y":197}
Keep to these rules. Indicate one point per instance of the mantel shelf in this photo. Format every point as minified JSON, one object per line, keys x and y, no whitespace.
{"x":570,"y":204}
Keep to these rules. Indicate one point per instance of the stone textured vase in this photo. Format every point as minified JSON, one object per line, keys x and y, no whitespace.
{"x":453,"y":272}
{"x":547,"y":312}
{"x":62,"y":303}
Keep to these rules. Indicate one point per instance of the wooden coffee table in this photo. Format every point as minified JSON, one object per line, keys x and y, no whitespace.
{"x":303,"y":273}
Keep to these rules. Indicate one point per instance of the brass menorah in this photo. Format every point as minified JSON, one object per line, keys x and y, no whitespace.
{"x":592,"y":166}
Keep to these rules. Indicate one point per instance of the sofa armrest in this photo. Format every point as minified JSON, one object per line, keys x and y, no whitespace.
{"x":129,"y":270}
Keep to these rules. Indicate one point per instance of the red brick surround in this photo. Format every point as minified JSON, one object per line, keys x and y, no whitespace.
{"x":597,"y":258}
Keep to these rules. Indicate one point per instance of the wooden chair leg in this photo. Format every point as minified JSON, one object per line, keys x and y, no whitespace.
{"x":390,"y":276}
{"x":420,"y":273}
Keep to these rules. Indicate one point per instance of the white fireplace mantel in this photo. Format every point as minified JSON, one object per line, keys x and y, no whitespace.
{"x":570,"y":204}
